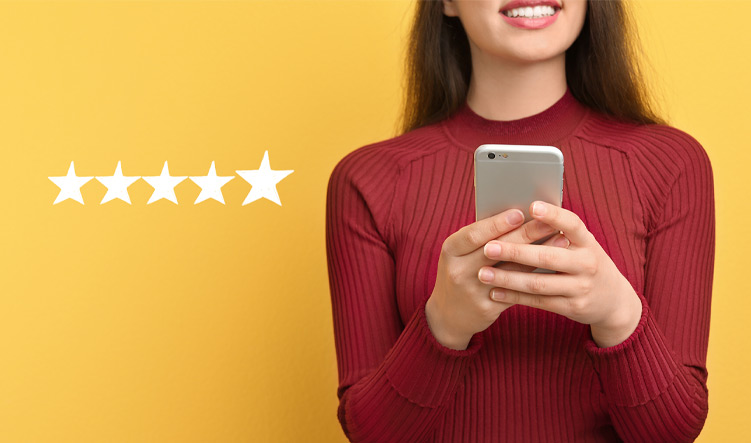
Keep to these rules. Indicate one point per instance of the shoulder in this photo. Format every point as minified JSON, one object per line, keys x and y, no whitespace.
{"x":380,"y":163}
{"x":668,"y":148}
{"x":664,"y":162}
{"x":364,"y":182}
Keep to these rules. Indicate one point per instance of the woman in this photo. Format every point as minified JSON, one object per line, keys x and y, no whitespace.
{"x":613,"y":346}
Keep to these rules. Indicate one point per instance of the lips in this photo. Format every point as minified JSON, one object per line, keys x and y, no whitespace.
{"x":527,"y":22}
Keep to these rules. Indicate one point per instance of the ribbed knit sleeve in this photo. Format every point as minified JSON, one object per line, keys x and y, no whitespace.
{"x":655,"y":381}
{"x":395,"y":379}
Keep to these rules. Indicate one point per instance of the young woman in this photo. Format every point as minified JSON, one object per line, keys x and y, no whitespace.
{"x":437,"y":341}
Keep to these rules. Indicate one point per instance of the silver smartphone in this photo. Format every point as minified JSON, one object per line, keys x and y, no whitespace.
{"x":513,"y":176}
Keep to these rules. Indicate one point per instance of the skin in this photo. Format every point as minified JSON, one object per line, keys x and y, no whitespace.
{"x":518,"y":73}
{"x":515,"y":72}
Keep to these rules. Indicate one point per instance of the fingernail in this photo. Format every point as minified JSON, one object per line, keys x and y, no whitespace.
{"x":498,"y":294}
{"x":492,"y":250}
{"x":562,"y":242}
{"x":486,"y":275}
{"x":538,"y":208}
{"x":515,"y":218}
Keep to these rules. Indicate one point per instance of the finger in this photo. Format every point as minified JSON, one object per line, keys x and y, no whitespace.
{"x":473,"y":236}
{"x":555,"y":258}
{"x":552,"y":303}
{"x":511,"y":266}
{"x":562,"y":219}
{"x":530,"y":282}
{"x":529,"y":232}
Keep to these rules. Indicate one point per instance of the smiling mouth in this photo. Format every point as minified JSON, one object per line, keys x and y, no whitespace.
{"x":532,"y":12}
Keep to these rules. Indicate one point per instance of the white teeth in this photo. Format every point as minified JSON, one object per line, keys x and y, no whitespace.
{"x":537,"y":11}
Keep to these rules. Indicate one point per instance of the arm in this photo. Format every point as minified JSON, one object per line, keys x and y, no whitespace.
{"x":655,"y":380}
{"x":394,"y":379}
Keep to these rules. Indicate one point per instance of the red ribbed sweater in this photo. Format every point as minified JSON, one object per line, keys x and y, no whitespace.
{"x":646,"y":194}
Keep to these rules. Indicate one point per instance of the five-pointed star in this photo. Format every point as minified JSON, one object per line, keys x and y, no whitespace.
{"x":263,"y":181}
{"x":117,"y":185}
{"x":164,"y":185}
{"x":211,"y":185}
{"x":70,"y":185}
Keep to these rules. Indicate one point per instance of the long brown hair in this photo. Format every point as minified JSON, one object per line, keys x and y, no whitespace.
{"x":603,"y":68}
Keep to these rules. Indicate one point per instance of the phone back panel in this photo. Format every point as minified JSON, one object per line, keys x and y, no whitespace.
{"x":515,"y":177}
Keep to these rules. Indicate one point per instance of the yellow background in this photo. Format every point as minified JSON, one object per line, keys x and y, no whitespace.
{"x":198,"y":323}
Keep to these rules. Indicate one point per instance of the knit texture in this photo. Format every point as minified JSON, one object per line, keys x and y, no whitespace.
{"x":646,"y":194}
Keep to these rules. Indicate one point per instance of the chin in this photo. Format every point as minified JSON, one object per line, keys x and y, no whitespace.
{"x":531,"y":54}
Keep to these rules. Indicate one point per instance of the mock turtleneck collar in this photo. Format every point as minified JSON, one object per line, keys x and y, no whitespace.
{"x":469,"y":130}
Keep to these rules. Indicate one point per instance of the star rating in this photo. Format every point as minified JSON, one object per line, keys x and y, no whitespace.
{"x":164,"y":185}
{"x":211,"y":185}
{"x":117,"y":186}
{"x":263,"y":183}
{"x":70,"y":186}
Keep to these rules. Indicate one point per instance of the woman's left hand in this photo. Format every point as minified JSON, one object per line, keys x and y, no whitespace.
{"x":588,"y":287}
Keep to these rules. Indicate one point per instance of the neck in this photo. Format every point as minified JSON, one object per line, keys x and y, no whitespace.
{"x":499,"y":90}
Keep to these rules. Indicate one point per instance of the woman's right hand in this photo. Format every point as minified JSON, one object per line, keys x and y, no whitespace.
{"x":460,"y":304}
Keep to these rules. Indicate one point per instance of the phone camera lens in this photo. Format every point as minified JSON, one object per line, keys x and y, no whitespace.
{"x":491,"y":155}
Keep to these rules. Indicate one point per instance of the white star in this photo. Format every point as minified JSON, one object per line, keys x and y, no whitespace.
{"x":70,"y":185}
{"x":263,"y":181}
{"x":117,"y":185}
{"x":164,"y":185}
{"x":211,"y":185}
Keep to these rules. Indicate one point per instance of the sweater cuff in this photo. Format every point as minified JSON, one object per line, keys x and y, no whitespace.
{"x":640,"y":368}
{"x":421,"y":369}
